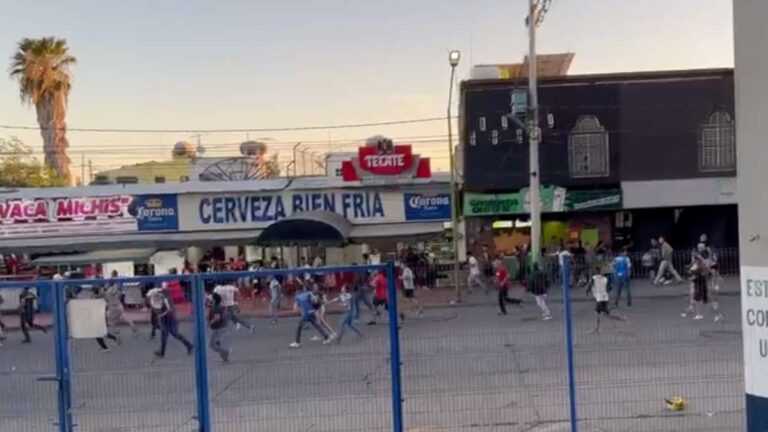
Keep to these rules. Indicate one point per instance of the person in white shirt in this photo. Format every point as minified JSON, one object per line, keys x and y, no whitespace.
{"x":276,"y":296}
{"x":155,"y":298}
{"x":409,"y":289}
{"x":475,"y":277}
{"x":598,"y":286}
{"x":228,"y":293}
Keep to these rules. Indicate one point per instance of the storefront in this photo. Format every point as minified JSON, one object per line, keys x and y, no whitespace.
{"x":501,"y":220}
{"x":377,"y":204}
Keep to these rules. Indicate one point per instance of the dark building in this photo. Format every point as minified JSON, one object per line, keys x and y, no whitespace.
{"x":662,"y":142}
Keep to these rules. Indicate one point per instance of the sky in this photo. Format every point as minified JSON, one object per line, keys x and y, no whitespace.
{"x":254,"y":64}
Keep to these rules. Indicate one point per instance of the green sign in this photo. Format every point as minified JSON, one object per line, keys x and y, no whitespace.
{"x":476,"y":204}
{"x":553,"y":199}
{"x":607,"y":199}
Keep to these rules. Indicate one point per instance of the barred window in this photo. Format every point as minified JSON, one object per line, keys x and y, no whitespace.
{"x":717,"y":143}
{"x":588,"y":152}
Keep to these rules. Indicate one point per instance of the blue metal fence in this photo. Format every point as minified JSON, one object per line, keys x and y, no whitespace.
{"x":446,"y":369}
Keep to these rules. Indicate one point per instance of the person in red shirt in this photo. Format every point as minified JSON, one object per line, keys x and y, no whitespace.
{"x":380,"y":290}
{"x":502,"y":285}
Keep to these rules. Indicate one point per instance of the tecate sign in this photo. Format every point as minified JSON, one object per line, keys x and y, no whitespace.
{"x":427,"y":207}
{"x":393,"y":160}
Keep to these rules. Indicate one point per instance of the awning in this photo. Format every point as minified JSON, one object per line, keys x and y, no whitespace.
{"x":97,"y":257}
{"x":123,"y":241}
{"x":316,"y":227}
{"x":412,"y":230}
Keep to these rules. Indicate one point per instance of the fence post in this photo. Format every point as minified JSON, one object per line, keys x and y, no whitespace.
{"x":394,"y":348}
{"x":566,"y":275}
{"x":61,"y":346}
{"x":201,"y":358}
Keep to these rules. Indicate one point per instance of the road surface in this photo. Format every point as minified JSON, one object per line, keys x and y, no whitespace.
{"x":464,"y":369}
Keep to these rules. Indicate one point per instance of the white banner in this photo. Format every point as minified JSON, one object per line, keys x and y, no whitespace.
{"x":754,"y":312}
{"x":257,"y":210}
{"x":87,"y":318}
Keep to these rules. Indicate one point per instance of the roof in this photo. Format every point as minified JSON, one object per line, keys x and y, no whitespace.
{"x":98,"y":257}
{"x":685,"y":74}
{"x":283,"y":183}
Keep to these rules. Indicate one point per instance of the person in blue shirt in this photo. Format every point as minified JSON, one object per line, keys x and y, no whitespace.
{"x":305,"y":302}
{"x":622,"y":267}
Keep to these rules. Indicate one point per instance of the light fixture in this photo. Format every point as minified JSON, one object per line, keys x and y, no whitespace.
{"x":454,"y":57}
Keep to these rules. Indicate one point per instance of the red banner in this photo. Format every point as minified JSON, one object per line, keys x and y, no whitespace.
{"x":64,"y":209}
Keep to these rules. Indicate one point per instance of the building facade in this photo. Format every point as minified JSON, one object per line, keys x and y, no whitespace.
{"x":624,"y":158}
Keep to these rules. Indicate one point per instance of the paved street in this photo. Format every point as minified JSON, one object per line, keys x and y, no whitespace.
{"x":464,"y":369}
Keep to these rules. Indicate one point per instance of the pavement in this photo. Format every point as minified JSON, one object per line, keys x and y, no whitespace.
{"x":463,"y":369}
{"x":442,"y":297}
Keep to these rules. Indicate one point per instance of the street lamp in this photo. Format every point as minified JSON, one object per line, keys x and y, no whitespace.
{"x":453,"y":59}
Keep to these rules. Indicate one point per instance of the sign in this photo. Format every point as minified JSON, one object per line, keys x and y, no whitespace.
{"x":200,"y":212}
{"x":754,"y":307}
{"x":553,"y":199}
{"x":66,"y":216}
{"x":609,"y":199}
{"x":427,"y":206}
{"x":156,"y":212}
{"x":492,"y":204}
{"x":381,"y":159}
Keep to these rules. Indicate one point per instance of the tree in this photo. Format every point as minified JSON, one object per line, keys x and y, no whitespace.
{"x":42,"y":68}
{"x":19,"y":168}
{"x":273,"y":166}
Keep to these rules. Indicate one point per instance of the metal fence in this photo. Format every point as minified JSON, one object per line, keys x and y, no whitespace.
{"x":448,"y":369}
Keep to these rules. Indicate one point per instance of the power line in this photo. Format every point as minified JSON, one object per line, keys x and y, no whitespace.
{"x":241,"y":130}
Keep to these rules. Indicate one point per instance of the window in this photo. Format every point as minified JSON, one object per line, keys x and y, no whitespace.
{"x":159,"y":179}
{"x":717,"y":143}
{"x":481,"y":124}
{"x":127,"y":180}
{"x":588,"y":152}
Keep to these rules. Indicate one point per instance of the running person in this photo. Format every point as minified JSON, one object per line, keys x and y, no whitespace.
{"x":99,"y":293}
{"x":275,"y":298}
{"x":622,"y":268}
{"x":306,"y":304}
{"x":115,"y":309}
{"x":598,"y":286}
{"x":320,"y":301}
{"x":228,"y":293}
{"x":502,"y":285}
{"x":170,"y":326}
{"x":538,"y":285}
{"x":379,"y":283}
{"x":475,"y":278}
{"x":217,"y":321}
{"x":699,"y":276}
{"x":154,"y":300}
{"x":27,"y":305}
{"x":348,"y":319}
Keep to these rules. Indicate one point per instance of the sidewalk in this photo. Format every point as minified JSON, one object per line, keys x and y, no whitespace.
{"x":430,"y":299}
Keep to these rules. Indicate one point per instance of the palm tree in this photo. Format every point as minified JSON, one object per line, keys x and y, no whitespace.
{"x":42,"y":68}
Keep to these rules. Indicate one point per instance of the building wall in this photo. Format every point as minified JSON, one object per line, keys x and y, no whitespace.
{"x":653,"y":122}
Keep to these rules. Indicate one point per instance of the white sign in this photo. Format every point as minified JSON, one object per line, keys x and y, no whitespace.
{"x":87,"y":318}
{"x":754,"y":308}
{"x":207,"y":212}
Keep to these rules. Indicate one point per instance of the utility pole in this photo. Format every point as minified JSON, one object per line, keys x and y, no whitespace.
{"x":82,"y":169}
{"x":453,"y":60}
{"x":90,"y":171}
{"x":536,"y":11}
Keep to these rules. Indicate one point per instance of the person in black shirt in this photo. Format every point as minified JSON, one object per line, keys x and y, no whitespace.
{"x":217,"y":321}
{"x":169,"y":325}
{"x":27,"y":304}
